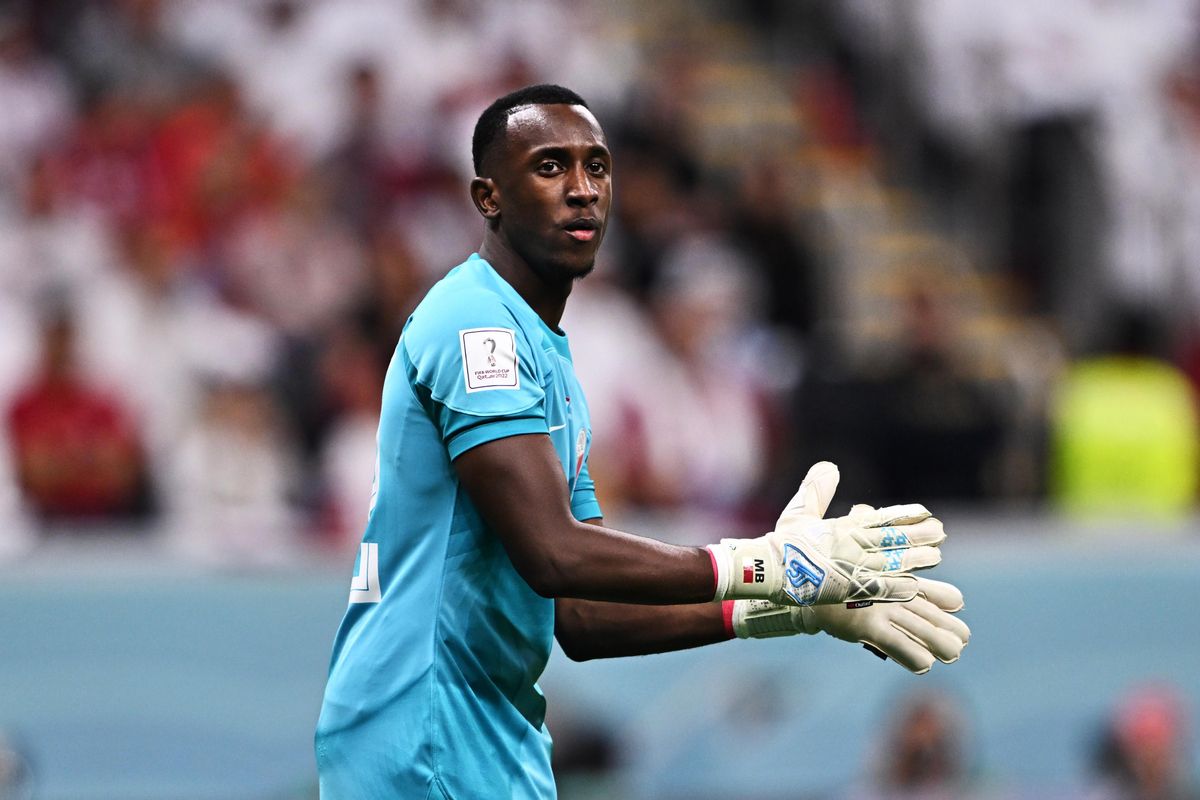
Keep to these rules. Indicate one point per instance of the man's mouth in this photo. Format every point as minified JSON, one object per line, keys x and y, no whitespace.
{"x":582,"y":230}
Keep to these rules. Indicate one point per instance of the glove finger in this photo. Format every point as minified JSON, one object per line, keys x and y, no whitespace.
{"x":815,"y":493}
{"x":862,"y":511}
{"x":907,"y":560}
{"x":884,"y":588}
{"x":900,"y":647}
{"x":905,"y":514}
{"x":941,"y":619}
{"x":928,"y":533}
{"x":910,"y":618}
{"x":945,"y":596}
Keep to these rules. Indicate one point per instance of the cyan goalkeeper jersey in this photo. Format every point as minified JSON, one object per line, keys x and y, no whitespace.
{"x":432,"y":689}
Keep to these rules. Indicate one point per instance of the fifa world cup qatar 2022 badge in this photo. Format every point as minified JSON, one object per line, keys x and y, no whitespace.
{"x":489,"y":357}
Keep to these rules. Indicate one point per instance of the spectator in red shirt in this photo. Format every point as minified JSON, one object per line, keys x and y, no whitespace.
{"x":76,"y":451}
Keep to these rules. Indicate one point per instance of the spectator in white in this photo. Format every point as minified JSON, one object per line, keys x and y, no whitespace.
{"x":35,"y":96}
{"x":1184,"y":93}
{"x":47,"y":245}
{"x":150,"y":329}
{"x":16,"y":529}
{"x":1150,"y":172}
{"x":983,"y":73}
{"x":706,"y":303}
{"x":300,"y":266}
{"x":230,"y":486}
{"x":289,"y":58}
{"x":18,"y":352}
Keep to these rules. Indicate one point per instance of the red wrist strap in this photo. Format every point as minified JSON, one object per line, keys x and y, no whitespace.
{"x":727,"y":616}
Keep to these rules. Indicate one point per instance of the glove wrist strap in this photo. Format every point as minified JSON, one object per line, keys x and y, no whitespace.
{"x":721,"y":571}
{"x":745,"y":569}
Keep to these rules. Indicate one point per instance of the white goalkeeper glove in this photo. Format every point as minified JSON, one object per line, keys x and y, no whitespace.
{"x":913,"y":633}
{"x":808,"y":560}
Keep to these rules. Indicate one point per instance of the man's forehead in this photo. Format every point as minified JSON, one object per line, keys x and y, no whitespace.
{"x":552,"y":124}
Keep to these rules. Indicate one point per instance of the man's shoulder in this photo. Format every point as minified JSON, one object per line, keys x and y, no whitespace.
{"x":461,"y":289}
{"x":464,"y":299}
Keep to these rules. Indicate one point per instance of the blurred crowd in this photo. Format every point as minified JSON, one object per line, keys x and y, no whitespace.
{"x":1061,"y":141}
{"x":1140,"y":750}
{"x":925,"y":746}
{"x":215,"y":217}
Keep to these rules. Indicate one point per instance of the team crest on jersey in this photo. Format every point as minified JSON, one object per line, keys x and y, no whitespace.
{"x":580,"y":448}
{"x":489,"y":358}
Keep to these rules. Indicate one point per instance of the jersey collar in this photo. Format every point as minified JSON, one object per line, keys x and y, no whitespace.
{"x":557,"y":338}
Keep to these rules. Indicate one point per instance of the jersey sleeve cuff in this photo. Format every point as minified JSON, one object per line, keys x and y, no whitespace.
{"x":586,"y":508}
{"x":500,"y":428}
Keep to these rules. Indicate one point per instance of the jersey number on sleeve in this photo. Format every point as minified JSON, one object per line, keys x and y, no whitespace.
{"x":365,"y":586}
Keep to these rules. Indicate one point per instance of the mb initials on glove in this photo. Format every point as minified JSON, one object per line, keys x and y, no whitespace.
{"x":808,"y":561}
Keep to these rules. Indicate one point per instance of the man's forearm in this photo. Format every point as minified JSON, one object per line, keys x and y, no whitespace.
{"x":600,"y":563}
{"x":588,"y":629}
{"x":516,"y":484}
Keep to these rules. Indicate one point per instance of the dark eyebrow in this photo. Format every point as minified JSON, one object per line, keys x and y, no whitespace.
{"x":563,"y":153}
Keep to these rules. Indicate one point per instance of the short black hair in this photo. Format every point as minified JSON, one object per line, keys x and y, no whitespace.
{"x":493,"y":121}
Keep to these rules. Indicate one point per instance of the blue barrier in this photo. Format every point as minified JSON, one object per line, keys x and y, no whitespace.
{"x":135,"y":677}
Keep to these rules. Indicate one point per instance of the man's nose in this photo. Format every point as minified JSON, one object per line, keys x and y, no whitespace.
{"x":582,"y":188}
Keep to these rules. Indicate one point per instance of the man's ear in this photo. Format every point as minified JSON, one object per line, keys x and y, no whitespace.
{"x":486,"y":196}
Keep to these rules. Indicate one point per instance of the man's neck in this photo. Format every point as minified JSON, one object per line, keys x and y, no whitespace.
{"x":548,"y":300}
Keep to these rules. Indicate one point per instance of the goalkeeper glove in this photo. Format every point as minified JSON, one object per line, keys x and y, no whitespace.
{"x":913,"y":633}
{"x":807,"y":560}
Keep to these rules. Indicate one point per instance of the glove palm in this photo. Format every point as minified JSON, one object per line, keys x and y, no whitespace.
{"x":912,"y":633}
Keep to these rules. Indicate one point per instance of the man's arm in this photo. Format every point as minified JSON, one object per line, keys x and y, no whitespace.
{"x":588,"y":629}
{"x":518,"y":486}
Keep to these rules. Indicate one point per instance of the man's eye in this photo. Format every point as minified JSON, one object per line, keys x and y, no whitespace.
{"x":549,"y":167}
{"x":597,"y":167}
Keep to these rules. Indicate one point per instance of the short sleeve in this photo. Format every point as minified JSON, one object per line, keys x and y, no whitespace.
{"x":474,"y":370}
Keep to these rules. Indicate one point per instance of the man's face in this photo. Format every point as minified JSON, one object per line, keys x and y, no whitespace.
{"x":553,"y":188}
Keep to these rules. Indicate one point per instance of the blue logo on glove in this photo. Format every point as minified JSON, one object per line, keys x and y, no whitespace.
{"x":893,"y":538}
{"x":804,"y":578}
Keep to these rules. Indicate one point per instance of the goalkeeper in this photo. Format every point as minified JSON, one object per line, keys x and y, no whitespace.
{"x":476,"y":552}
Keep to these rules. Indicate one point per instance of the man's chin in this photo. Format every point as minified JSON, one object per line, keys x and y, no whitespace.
{"x":584,"y":271}
{"x":567,"y":271}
